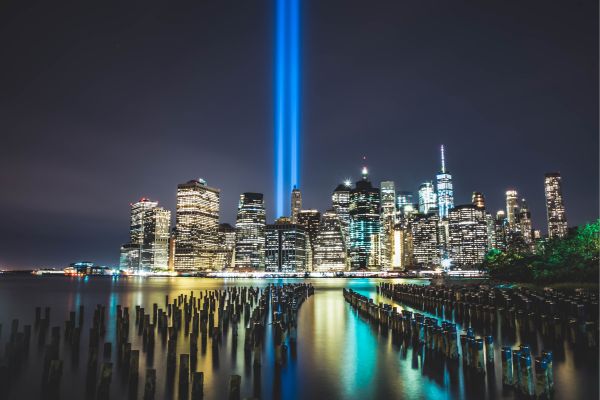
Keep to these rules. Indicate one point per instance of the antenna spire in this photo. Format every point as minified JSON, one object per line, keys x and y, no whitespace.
{"x":443,"y":161}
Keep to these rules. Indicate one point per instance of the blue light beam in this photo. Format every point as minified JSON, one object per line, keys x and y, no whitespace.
{"x":287,"y":103}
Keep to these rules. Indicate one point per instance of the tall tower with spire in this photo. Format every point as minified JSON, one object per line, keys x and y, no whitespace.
{"x":296,"y":204}
{"x":445,"y":191}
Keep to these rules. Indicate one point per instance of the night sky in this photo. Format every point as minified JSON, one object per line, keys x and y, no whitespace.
{"x":103,"y":102}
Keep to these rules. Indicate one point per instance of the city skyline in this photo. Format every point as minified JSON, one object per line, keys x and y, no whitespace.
{"x":121,"y":114}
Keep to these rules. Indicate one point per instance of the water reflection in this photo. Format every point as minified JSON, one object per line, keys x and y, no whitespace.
{"x":338,"y":355}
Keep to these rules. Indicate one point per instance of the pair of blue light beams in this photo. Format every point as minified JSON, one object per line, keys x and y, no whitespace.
{"x":287,"y":99}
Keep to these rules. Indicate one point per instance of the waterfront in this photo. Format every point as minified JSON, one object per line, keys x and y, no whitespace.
{"x":339,"y":354}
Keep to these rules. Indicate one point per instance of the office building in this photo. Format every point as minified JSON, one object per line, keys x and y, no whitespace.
{"x":197,"y":223}
{"x":365,"y":222}
{"x":427,"y":198}
{"x":226,"y":247}
{"x":310,"y":220}
{"x":525,"y":225}
{"x":478,"y":200}
{"x":340,"y":200}
{"x":330,"y":251}
{"x":512,"y":209}
{"x":250,"y":228}
{"x":468,"y":241}
{"x":388,"y":220}
{"x":148,"y":246}
{"x":555,"y":206}
{"x":424,"y":229}
{"x":296,"y":204}
{"x":285,"y":247}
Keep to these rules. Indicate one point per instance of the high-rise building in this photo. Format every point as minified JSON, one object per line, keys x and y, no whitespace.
{"x":468,"y":235}
{"x":330,"y":251}
{"x":445,"y":190}
{"x":226,"y":248}
{"x":427,"y":198}
{"x":197,"y":223}
{"x":388,"y":220}
{"x":555,"y":206}
{"x":425,"y":240}
{"x":402,"y":248}
{"x":340,"y":200}
{"x":250,"y":232}
{"x":500,"y":227}
{"x":148,"y":247}
{"x":525,"y":225}
{"x":404,"y":203}
{"x":285,"y":247}
{"x":365,"y":222}
{"x":478,"y":200}
{"x":296,"y":204}
{"x":512,"y":208}
{"x":310,"y":220}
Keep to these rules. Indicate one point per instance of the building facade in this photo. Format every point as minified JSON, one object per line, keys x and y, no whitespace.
{"x":197,"y":225}
{"x":555,"y":206}
{"x":296,"y":204}
{"x":365,"y":223}
{"x":468,"y":241}
{"x":250,"y":228}
{"x":149,"y":231}
{"x":330,"y":251}
{"x":340,"y":200}
{"x":425,"y":240}
{"x":285,"y":247}
{"x":427,"y":198}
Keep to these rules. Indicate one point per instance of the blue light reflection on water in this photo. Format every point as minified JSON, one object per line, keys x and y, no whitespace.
{"x":339,"y":354}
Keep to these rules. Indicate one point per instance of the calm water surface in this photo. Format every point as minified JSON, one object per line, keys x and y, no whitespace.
{"x":339,"y":355}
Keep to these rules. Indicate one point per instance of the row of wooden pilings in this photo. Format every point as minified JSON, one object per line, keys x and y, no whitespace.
{"x":443,"y":340}
{"x":555,"y":316}
{"x":193,"y":318}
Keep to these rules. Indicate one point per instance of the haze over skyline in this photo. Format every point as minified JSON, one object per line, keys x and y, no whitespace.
{"x":106,"y":103}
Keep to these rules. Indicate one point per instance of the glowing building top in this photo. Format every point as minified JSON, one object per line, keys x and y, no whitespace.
{"x":445,"y":191}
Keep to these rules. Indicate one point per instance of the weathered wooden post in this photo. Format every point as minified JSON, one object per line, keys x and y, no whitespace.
{"x":105,"y":379}
{"x":234,"y":387}
{"x":150,"y":386}
{"x":197,"y":385}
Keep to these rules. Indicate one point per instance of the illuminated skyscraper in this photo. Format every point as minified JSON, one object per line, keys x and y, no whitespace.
{"x":197,"y":225}
{"x":365,"y":222}
{"x":427,"y":198}
{"x":500,"y":231}
{"x":525,"y":225}
{"x":250,"y":232}
{"x":285,"y":247}
{"x":425,"y":240}
{"x":402,"y":248}
{"x":555,"y":206}
{"x":445,"y":191}
{"x":341,"y":203}
{"x":330,"y":251}
{"x":296,"y":204}
{"x":468,"y":242}
{"x":404,"y":203}
{"x":478,"y":200}
{"x":310,"y":220}
{"x":388,"y":220}
{"x":512,"y":208}
{"x":226,"y":247}
{"x":148,"y":247}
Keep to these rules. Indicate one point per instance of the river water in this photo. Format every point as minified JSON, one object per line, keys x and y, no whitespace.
{"x":339,"y":355}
